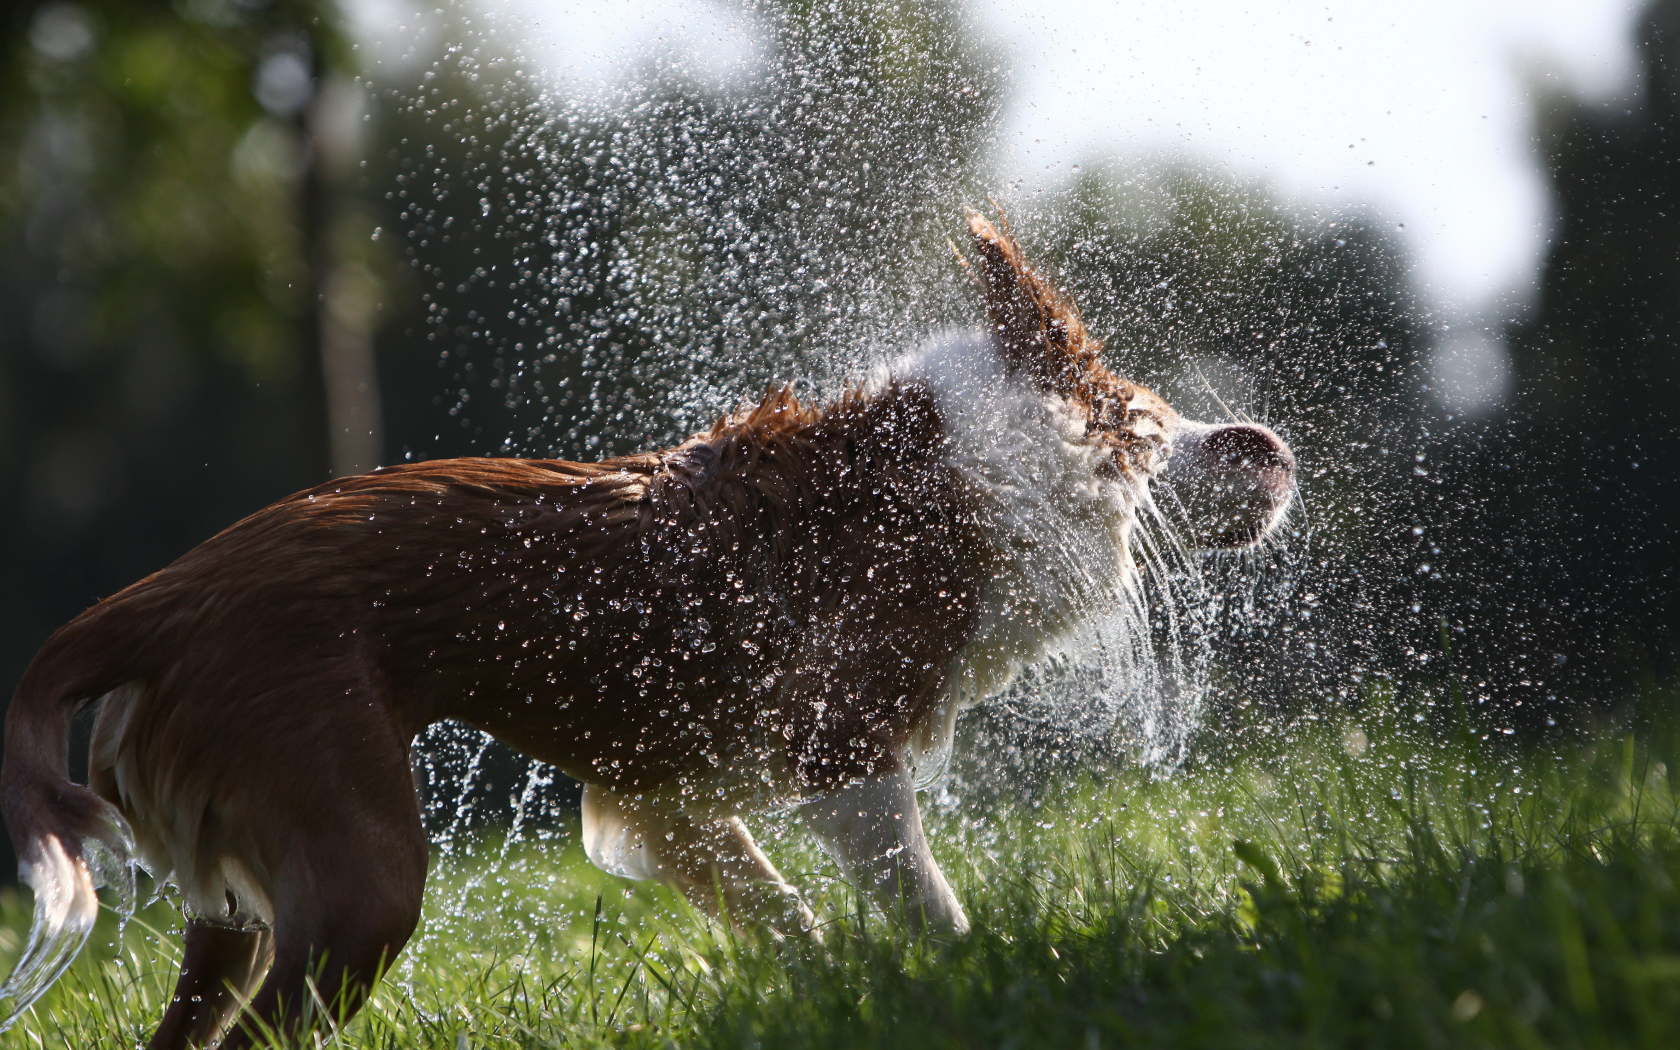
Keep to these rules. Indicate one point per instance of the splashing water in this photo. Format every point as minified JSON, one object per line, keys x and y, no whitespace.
{"x":675,"y":247}
{"x":609,"y":271}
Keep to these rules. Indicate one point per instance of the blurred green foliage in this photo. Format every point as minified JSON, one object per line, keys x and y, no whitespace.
{"x":160,"y":217}
{"x":145,"y":178}
{"x":1563,"y":563}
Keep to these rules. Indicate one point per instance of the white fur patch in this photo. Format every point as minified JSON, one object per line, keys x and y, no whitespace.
{"x":612,"y":839}
{"x":1061,"y":524}
{"x":873,"y":829}
{"x":65,"y":909}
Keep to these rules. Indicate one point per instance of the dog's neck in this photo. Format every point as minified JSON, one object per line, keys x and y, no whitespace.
{"x":1056,"y":514}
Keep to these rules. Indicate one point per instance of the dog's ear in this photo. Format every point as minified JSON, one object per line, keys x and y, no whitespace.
{"x":1035,"y":326}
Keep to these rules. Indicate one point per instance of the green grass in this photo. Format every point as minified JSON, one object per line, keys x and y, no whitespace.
{"x":1375,"y":881}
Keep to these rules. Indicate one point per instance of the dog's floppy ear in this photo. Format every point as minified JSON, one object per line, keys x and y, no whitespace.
{"x":1038,"y":334}
{"x":1036,"y":328}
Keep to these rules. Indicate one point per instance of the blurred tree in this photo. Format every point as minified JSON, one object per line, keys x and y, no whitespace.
{"x":165,"y":215}
{"x":1565,"y":573}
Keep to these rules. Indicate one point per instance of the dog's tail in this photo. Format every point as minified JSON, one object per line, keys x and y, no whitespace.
{"x":69,"y":841}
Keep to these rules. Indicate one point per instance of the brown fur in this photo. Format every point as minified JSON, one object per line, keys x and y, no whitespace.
{"x":1041,"y":333}
{"x":786,"y":592}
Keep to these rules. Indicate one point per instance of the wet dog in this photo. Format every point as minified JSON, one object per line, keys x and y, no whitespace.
{"x":790,"y":609}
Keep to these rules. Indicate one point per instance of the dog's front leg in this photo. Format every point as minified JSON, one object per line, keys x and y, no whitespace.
{"x":714,"y":862}
{"x":874,"y":830}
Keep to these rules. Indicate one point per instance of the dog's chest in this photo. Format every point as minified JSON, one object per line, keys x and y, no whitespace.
{"x":1058,"y":518}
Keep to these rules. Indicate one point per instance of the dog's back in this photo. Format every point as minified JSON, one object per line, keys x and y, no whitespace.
{"x":676,"y":625}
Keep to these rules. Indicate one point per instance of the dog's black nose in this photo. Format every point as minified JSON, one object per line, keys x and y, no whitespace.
{"x":1231,"y":480}
{"x":1242,"y":445}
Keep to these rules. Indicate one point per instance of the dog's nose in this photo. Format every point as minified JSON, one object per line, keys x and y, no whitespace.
{"x":1230,"y":480}
{"x":1244,"y":446}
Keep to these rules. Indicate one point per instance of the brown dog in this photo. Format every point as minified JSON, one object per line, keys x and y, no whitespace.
{"x":788,"y":609}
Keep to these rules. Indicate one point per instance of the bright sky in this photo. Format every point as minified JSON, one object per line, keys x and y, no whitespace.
{"x":1419,"y":114}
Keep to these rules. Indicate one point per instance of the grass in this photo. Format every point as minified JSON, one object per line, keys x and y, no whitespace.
{"x":1369,"y":881}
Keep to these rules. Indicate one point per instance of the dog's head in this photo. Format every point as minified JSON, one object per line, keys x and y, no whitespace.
{"x":1225,"y":485}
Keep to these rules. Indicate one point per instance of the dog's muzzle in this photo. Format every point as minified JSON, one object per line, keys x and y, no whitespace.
{"x":1225,"y":485}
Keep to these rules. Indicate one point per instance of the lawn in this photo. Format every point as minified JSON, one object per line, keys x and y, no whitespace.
{"x":1383,"y":878}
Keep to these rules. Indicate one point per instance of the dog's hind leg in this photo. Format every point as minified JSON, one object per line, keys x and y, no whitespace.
{"x":346,"y":889}
{"x":714,"y":862}
{"x":219,"y":971}
{"x":342,"y":912}
{"x":874,"y":830}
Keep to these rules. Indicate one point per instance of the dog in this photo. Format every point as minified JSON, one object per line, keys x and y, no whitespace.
{"x":788,"y":610}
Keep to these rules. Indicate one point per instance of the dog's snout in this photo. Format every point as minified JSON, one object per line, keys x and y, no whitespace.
{"x":1243,"y":445}
{"x":1252,"y":453}
{"x":1232,"y":481}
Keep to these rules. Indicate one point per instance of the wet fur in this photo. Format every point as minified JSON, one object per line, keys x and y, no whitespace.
{"x":787,"y":609}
